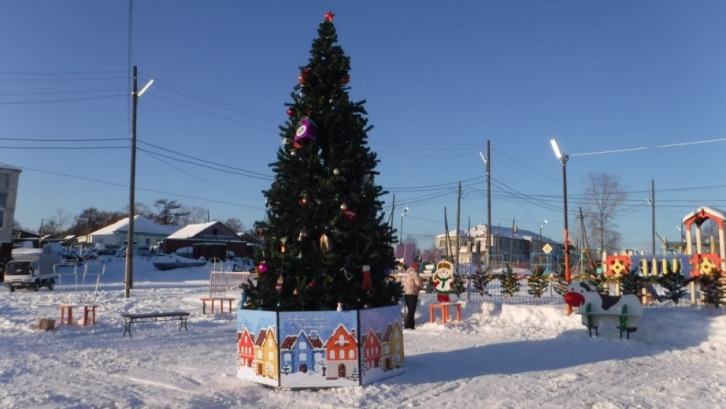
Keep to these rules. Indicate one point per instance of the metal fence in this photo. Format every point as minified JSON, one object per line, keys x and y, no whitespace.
{"x":496,"y":294}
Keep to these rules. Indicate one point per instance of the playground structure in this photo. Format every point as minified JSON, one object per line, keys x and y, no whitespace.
{"x":691,"y":261}
{"x":79,"y":299}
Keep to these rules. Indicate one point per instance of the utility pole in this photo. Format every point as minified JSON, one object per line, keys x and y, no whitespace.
{"x":458,"y":231}
{"x":489,"y":205}
{"x":129,"y":272}
{"x":511,"y":242}
{"x":652,"y":205}
{"x":393,"y":211}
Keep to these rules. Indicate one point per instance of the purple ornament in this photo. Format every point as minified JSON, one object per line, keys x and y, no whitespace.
{"x":305,"y":130}
{"x":263,"y":268}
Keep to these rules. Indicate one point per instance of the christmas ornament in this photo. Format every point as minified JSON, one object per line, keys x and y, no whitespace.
{"x":299,"y":255}
{"x":301,"y":79}
{"x":329,"y":16}
{"x":301,"y":236}
{"x":312,"y":284}
{"x":350,"y":215}
{"x":259,"y":233}
{"x":340,"y":306}
{"x":278,"y":285}
{"x":283,"y":241}
{"x":305,"y":131}
{"x":294,"y":292}
{"x":367,"y":284}
{"x":290,"y":112}
{"x":324,"y":242}
{"x":292,"y":153}
{"x":262,"y":268}
{"x":346,"y":79}
{"x":336,"y":171}
{"x":343,"y":206}
{"x":303,"y":201}
{"x":348,"y":275}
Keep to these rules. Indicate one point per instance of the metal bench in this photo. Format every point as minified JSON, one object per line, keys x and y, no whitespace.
{"x":129,"y":319}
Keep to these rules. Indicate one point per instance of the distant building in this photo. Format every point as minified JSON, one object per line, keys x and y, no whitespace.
{"x":517,"y":244}
{"x":145,"y":232}
{"x":9,"y":177}
{"x":207,"y":240}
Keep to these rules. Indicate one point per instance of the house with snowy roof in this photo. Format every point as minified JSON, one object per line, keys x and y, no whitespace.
{"x":372,"y":349}
{"x":514,"y":243}
{"x":265,"y":349}
{"x":342,"y":352}
{"x":245,"y":347}
{"x":300,"y":353}
{"x":392,"y":345}
{"x":145,"y":232}
{"x":208,"y":240}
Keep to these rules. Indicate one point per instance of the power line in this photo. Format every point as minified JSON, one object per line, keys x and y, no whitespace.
{"x":267,"y":177}
{"x":60,"y":100}
{"x":139,"y":188}
{"x":206,"y":166}
{"x":64,"y":92}
{"x":62,"y":79}
{"x":64,"y":140}
{"x":211,"y":114}
{"x":64,"y":147}
{"x":59,"y":73}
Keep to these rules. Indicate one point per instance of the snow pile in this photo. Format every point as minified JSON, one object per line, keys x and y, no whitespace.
{"x":513,"y":356}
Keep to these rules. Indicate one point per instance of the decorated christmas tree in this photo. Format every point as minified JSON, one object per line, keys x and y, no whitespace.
{"x":481,"y":279}
{"x":537,"y":282}
{"x":674,"y":283}
{"x":632,"y":282}
{"x":559,"y":282}
{"x":712,"y":288}
{"x":325,"y":240}
{"x":509,"y":281}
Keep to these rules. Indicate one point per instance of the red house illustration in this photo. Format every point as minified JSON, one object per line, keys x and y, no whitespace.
{"x":371,"y":349}
{"x":245,"y":347}
{"x":342,"y":353}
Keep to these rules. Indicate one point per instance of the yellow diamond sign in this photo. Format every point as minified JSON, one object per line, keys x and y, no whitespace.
{"x":547,"y":248}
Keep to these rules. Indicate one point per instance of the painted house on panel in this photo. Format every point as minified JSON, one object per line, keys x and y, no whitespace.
{"x":372,"y":350}
{"x":145,"y":232}
{"x":342,"y":353}
{"x":265,"y":348}
{"x":245,"y":348}
{"x":300,"y":353}
{"x":392,"y":343}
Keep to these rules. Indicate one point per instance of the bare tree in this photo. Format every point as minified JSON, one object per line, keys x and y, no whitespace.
{"x":234,"y":224}
{"x":604,"y":196}
{"x":140,"y":209}
{"x":190,"y":215}
{"x":59,"y":220}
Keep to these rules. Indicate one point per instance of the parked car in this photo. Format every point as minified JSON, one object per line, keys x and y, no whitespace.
{"x":138,"y":249}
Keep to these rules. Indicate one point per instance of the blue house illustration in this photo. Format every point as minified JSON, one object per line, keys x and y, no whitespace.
{"x":302,"y":353}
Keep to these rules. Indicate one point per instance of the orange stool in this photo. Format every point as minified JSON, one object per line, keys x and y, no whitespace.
{"x":69,"y":310}
{"x":444,"y":311}
{"x":86,"y":310}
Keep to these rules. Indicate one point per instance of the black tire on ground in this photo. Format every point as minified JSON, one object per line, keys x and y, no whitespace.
{"x":36,"y":286}
{"x":51,"y":283}
{"x":12,"y":289}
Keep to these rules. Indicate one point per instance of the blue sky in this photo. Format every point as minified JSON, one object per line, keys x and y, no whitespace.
{"x":440,"y":80}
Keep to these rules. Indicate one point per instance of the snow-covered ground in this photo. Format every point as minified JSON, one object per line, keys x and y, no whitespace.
{"x":510,"y":356}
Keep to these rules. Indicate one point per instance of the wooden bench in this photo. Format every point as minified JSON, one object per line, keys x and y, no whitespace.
{"x":444,"y":307}
{"x":592,"y":320}
{"x":129,"y":319}
{"x":221,"y":303}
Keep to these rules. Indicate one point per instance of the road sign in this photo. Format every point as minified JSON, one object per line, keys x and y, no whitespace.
{"x":547,"y":248}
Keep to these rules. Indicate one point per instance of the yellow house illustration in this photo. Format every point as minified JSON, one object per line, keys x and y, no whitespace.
{"x":392,"y":344}
{"x":266,"y":353}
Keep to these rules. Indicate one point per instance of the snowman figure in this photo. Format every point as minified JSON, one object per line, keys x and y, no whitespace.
{"x":442,"y":279}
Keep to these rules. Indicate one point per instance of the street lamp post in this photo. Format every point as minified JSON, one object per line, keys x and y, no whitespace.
{"x":129,"y":272}
{"x":540,"y":234}
{"x":402,"y":214}
{"x":563,"y":159}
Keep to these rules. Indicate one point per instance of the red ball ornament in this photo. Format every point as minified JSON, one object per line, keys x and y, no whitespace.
{"x":312,"y":284}
{"x":302,"y":80}
{"x":346,"y":79}
{"x":350,"y":216}
{"x":290,"y":112}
